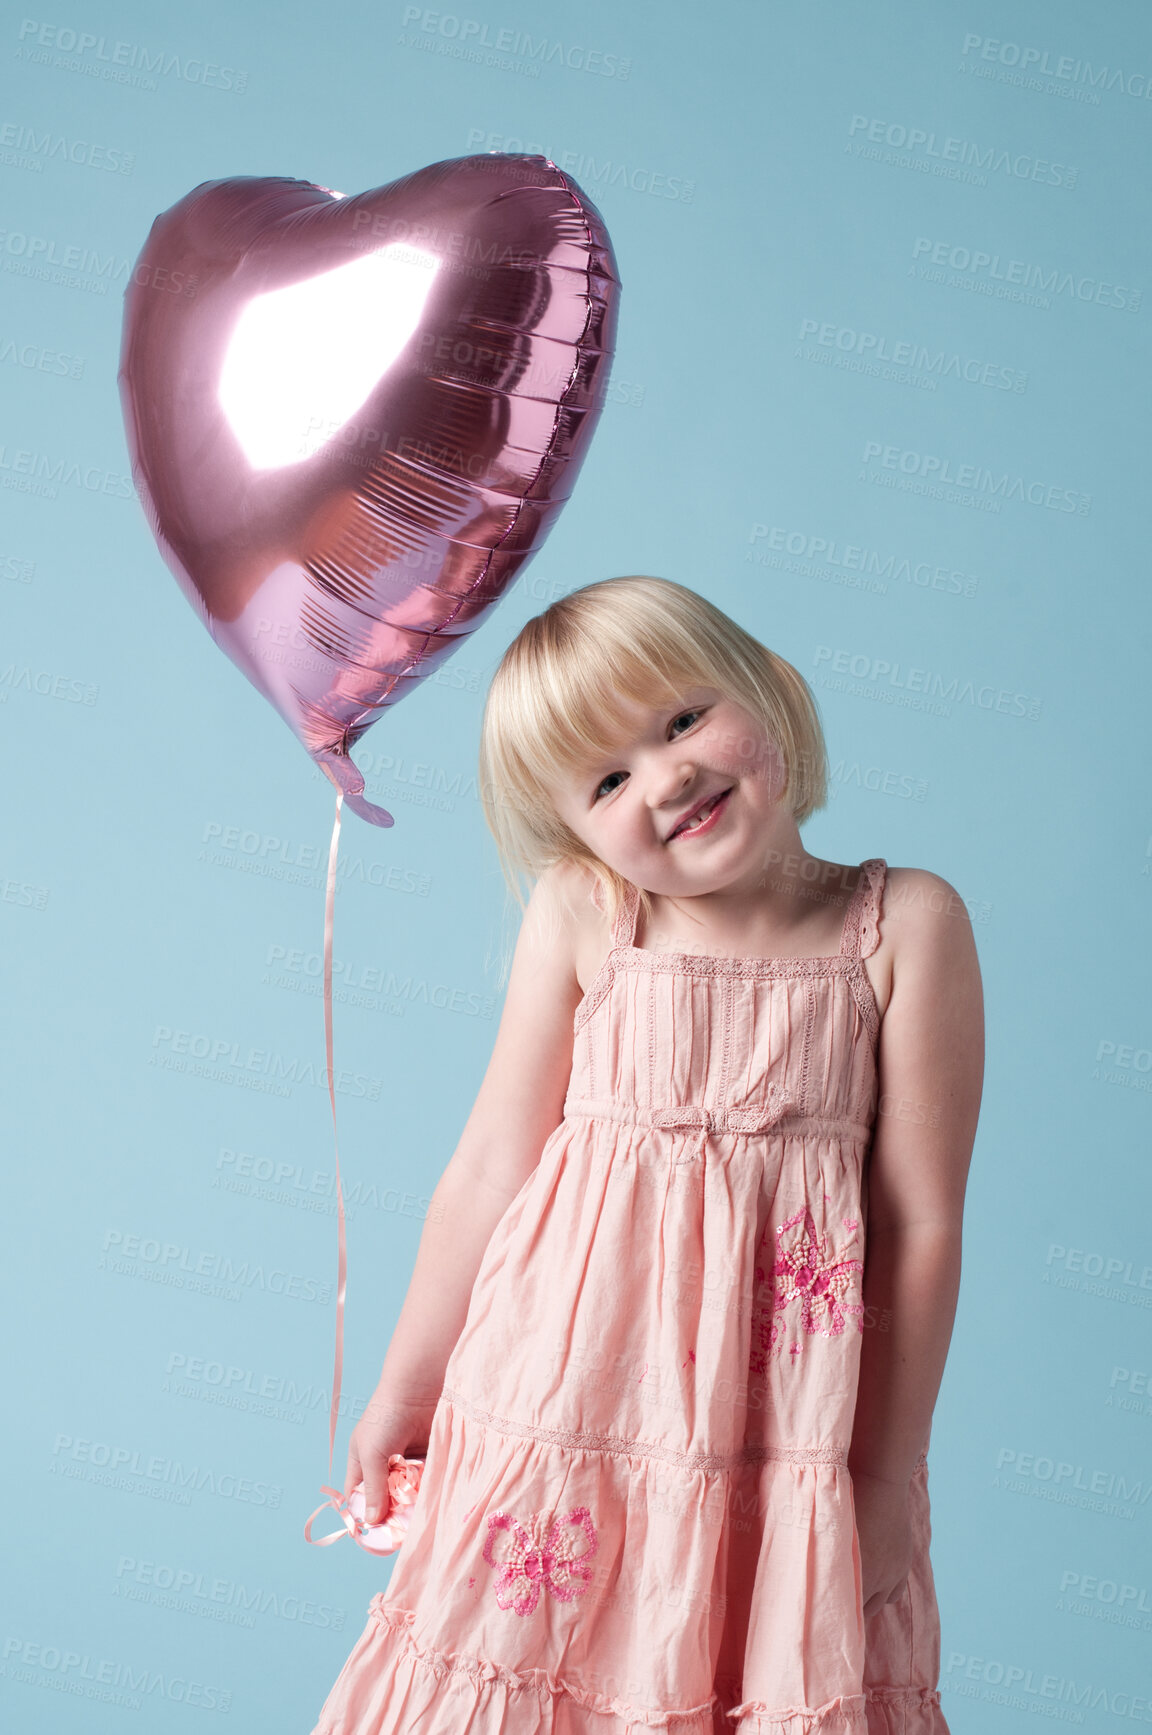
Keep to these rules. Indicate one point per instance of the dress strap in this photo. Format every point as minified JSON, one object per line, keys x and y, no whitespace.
{"x":861,"y":934}
{"x":624,"y":927}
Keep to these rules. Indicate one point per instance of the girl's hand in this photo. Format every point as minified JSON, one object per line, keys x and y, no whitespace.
{"x":885,"y":1531}
{"x":386,"y":1426}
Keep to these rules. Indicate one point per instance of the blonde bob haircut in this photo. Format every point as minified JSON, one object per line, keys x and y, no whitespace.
{"x":553,"y":707}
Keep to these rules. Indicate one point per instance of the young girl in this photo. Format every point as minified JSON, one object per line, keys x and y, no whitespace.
{"x":682,"y":1305}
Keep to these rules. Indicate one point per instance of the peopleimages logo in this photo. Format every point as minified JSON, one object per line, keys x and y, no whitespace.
{"x":287,"y":1183}
{"x":37,"y":358}
{"x":254,"y":1068}
{"x":34,"y":149}
{"x":109,"y":1679}
{"x":78,"y":267}
{"x":588,"y":170}
{"x":133,"y":1471}
{"x":130,"y":1254}
{"x":1010,"y":1682}
{"x":1063,"y":1483}
{"x":1111,"y":1593}
{"x":917,"y":141}
{"x":43,"y":473}
{"x":471,"y":34}
{"x":873,"y":346}
{"x":238,"y":1382}
{"x":1024,"y":274}
{"x":856,"y":557}
{"x":187,"y":1591}
{"x":924,"y":689}
{"x":16,"y":678}
{"x":121,"y":62}
{"x":976,"y":479}
{"x":1065,"y":67}
{"x":1111,"y":1275}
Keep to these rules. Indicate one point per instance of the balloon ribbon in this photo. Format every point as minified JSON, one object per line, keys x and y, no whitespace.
{"x":335,"y":1499}
{"x":341,"y":1244}
{"x":404,"y":1473}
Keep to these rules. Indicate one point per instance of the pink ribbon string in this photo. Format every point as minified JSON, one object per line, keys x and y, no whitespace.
{"x":403,"y":1473}
{"x":336,"y":1502}
{"x":341,"y":1241}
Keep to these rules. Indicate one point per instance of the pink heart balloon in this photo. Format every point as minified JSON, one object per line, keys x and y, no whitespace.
{"x":352,"y":420}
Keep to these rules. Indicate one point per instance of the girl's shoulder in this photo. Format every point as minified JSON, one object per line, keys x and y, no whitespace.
{"x":924,"y":933}
{"x":914,"y":924}
{"x":577,"y":894}
{"x":912,"y":896}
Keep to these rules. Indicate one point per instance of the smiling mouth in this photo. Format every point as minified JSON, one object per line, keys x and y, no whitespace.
{"x":701,"y":815}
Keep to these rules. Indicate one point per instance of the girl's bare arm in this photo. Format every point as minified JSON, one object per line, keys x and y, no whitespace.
{"x":931,"y":1066}
{"x":520,"y":1102}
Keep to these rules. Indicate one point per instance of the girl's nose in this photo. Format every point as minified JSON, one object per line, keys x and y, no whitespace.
{"x":668,"y":783}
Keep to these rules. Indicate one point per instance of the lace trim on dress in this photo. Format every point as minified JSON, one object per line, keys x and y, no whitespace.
{"x":749,"y":969}
{"x":710,"y":1463}
{"x":905,"y":1698}
{"x":777,"y":1118}
{"x":859,"y":938}
{"x":869,"y":937}
{"x":624,"y":927}
{"x":848,"y":1711}
{"x":865,"y":996}
{"x":539,"y":1682}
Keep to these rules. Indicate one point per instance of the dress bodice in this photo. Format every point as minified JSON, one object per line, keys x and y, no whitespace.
{"x":733,"y":1045}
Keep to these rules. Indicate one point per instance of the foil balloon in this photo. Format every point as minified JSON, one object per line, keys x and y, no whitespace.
{"x":353,"y":419}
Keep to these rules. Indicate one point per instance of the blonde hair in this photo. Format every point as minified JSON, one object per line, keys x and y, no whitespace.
{"x":552,"y":706}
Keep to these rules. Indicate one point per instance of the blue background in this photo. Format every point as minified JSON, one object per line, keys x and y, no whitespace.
{"x":778,"y":229}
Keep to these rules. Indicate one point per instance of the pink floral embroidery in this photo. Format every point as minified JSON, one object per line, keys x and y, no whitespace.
{"x":538,"y":1554}
{"x":824,"y":1282}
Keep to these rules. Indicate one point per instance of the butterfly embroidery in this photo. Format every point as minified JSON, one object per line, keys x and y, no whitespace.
{"x":824,"y":1282}
{"x":535,"y":1554}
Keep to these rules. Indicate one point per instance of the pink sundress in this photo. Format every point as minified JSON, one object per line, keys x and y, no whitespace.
{"x":636,"y":1511}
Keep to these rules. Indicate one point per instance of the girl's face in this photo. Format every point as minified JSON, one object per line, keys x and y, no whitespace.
{"x":648,"y":808}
